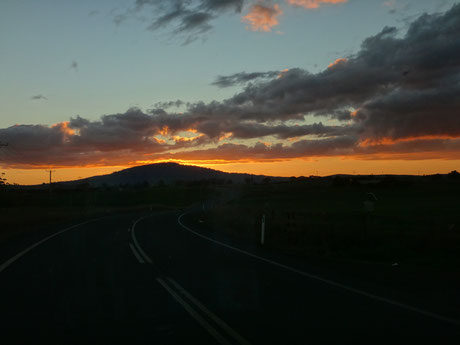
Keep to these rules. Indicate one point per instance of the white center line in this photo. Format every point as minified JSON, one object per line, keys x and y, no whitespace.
{"x":219,"y":337}
{"x":133,"y":235}
{"x":136,"y":254}
{"x":210,"y":314}
{"x":211,"y":330}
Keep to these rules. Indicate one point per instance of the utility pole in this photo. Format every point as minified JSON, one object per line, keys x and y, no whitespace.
{"x":51,"y":172}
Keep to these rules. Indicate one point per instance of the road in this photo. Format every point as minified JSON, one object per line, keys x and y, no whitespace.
{"x":161,"y":278}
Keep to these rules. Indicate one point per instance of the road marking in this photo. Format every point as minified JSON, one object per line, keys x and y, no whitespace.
{"x":136,"y":254}
{"x":326,"y":281}
{"x":20,"y":254}
{"x":211,"y":330}
{"x":210,"y":314}
{"x":133,"y":235}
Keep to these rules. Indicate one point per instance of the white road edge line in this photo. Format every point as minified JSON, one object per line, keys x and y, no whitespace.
{"x":136,"y":254}
{"x":28,"y":249}
{"x":211,"y":330}
{"x":326,"y":281}
{"x":138,"y":247}
{"x":210,"y":314}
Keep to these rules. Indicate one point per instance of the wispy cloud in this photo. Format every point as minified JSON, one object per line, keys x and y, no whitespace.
{"x":243,"y":78}
{"x":39,"y":96}
{"x":187,"y":19}
{"x":311,"y":4}
{"x":74,"y":65}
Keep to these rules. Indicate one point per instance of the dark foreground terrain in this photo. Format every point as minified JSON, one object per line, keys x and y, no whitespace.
{"x":148,"y":269}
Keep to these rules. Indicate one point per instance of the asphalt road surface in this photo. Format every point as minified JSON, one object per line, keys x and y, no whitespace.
{"x":161,"y":278}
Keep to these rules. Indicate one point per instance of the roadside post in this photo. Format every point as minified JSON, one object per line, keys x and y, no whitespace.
{"x":369,"y":207}
{"x":262,"y":233}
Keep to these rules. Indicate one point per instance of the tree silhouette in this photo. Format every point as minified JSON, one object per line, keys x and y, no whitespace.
{"x":3,"y":180}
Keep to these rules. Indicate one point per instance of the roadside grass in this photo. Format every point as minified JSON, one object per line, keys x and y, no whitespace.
{"x":24,"y":211}
{"x":413,"y":222}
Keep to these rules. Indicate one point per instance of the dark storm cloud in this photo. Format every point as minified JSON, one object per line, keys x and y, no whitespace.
{"x":410,"y":80}
{"x":242,"y":78}
{"x":256,"y":130}
{"x":305,"y":148}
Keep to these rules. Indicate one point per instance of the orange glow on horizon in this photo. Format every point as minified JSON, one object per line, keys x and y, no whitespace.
{"x":426,"y":164}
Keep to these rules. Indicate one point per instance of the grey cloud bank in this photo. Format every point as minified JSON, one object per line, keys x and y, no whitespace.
{"x":397,"y":95}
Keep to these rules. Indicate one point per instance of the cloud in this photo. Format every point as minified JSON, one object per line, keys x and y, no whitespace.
{"x":39,"y":96}
{"x":170,"y":104}
{"x":262,"y":17}
{"x":389,"y":3}
{"x":242,"y":78}
{"x":397,"y":96}
{"x":114,"y":139}
{"x":192,"y":19}
{"x":188,"y":19}
{"x":310,"y":4}
{"x":74,"y":65}
{"x":337,"y":62}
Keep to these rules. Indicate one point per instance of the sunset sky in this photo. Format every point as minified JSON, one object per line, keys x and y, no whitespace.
{"x":282,"y":87}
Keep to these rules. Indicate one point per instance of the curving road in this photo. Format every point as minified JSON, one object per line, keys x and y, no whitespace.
{"x":162,"y":279}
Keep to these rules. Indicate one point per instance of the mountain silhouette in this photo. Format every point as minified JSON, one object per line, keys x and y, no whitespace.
{"x":167,"y":173}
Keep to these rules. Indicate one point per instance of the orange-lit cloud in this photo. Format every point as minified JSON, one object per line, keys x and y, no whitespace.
{"x":282,"y":73}
{"x":181,"y":139}
{"x":262,"y":18}
{"x":354,"y":113}
{"x":337,"y":62}
{"x":164,"y":130}
{"x":389,"y":3}
{"x":391,"y":141}
{"x":64,"y":128}
{"x":310,"y":4}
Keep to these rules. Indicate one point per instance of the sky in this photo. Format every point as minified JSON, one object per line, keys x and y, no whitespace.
{"x":282,"y":87}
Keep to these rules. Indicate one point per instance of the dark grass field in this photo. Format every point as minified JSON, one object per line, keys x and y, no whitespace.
{"x":24,"y":210}
{"x":415,"y":220}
